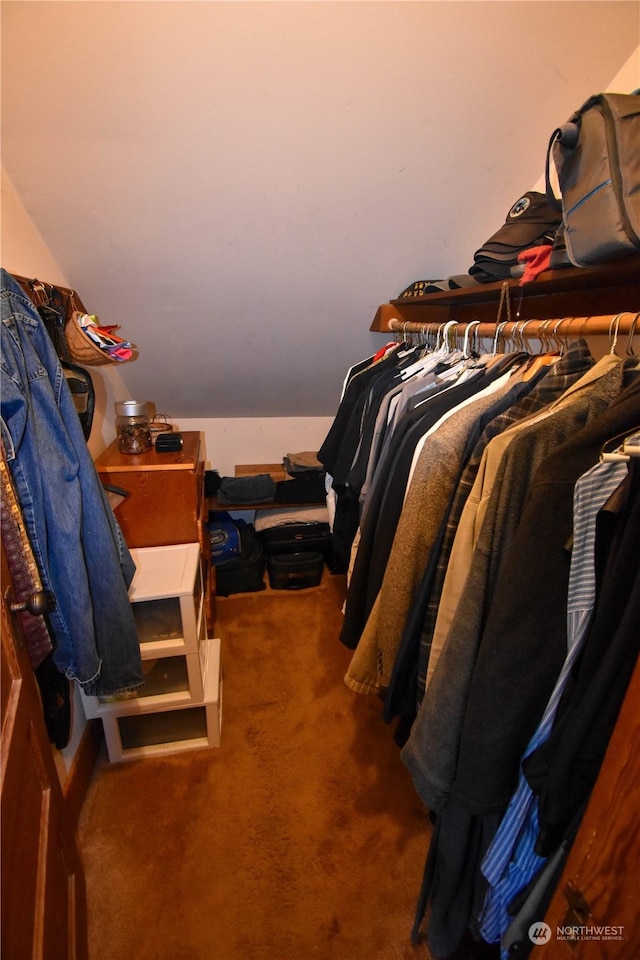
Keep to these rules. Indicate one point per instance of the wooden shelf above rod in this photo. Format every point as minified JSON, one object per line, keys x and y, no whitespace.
{"x":571,"y":292}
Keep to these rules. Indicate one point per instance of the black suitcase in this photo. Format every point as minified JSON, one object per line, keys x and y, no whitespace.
{"x":245,"y":573}
{"x":313,"y":536}
{"x":295,"y":571}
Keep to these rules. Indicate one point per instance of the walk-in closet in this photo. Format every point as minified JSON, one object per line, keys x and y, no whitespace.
{"x":320,"y":426}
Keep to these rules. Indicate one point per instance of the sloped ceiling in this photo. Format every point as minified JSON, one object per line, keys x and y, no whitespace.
{"x":241,"y":184}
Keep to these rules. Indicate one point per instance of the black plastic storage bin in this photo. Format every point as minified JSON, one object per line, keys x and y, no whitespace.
{"x":295,"y":571}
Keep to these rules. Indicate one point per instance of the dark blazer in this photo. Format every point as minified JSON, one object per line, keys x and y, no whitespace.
{"x":524,"y":642}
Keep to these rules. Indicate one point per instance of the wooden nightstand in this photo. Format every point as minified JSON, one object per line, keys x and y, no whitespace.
{"x":165,"y":502}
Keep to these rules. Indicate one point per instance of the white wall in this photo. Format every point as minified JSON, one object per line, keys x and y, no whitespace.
{"x":24,"y":252}
{"x":241,"y":184}
{"x":228,"y":441}
{"x":260,"y":440}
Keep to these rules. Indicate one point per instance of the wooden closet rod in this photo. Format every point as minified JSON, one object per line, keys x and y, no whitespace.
{"x":562,"y":327}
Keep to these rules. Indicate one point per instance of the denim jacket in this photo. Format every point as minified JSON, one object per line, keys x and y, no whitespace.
{"x":79,"y":548}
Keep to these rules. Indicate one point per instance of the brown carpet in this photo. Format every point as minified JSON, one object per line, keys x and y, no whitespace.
{"x":300,"y":837}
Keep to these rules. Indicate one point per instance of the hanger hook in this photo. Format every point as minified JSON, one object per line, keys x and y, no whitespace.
{"x":500,"y":327}
{"x":632,"y":333}
{"x":614,"y":327}
{"x":449,"y":325}
{"x":556,"y":336}
{"x":473,"y":325}
{"x":584,"y":327}
{"x":522,"y":334}
{"x":546,"y":342}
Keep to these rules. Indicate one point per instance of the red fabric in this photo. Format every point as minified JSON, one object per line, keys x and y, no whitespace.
{"x":536,"y":259}
{"x":381,"y":352}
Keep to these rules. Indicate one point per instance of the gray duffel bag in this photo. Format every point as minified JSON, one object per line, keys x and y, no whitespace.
{"x":597,"y":159}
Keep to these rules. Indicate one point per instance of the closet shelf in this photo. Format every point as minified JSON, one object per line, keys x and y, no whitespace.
{"x":570,"y":292}
{"x":277,"y":472}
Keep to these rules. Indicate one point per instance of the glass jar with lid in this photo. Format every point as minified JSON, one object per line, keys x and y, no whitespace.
{"x":132,"y":426}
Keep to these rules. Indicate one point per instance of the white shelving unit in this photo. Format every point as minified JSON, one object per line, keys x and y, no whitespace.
{"x":180,"y":706}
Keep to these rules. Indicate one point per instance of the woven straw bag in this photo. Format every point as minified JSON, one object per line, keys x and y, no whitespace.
{"x":82,"y":348}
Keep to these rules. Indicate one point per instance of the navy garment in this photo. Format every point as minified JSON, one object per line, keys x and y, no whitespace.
{"x":339,"y":449}
{"x":452,"y":883}
{"x":357,"y":472}
{"x":359,"y":430}
{"x":260,"y":488}
{"x":345,"y":526}
{"x":345,"y":423}
{"x":305,"y":486}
